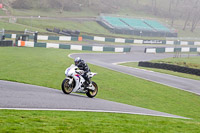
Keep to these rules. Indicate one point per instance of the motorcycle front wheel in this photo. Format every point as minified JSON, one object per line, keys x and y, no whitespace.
{"x":66,"y":87}
{"x":92,"y":93}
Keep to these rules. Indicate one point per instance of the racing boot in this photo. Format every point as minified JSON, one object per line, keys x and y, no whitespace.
{"x":86,"y":84}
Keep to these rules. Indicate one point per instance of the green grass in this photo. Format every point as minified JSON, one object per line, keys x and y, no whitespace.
{"x":192,"y":62}
{"x":52,"y":13}
{"x":45,"y":67}
{"x":17,"y":27}
{"x":2,"y":13}
{"x":76,"y":122}
{"x":89,"y":27}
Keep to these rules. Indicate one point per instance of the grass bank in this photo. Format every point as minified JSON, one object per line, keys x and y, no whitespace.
{"x":191,"y":62}
{"x":76,"y":122}
{"x":17,"y":27}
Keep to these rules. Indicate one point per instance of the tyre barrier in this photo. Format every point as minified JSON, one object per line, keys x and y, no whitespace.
{"x":66,"y":32}
{"x":56,"y":30}
{"x":49,"y":30}
{"x":170,"y":67}
{"x":6,"y":43}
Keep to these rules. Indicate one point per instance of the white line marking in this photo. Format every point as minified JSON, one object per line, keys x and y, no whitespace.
{"x":82,"y":110}
{"x":118,"y":64}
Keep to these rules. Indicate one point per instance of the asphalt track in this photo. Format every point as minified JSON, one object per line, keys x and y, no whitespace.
{"x":21,"y":96}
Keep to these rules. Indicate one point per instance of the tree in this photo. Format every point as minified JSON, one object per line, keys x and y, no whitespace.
{"x":154,"y":6}
{"x":196,"y":16}
{"x":170,"y":13}
{"x":22,"y":4}
{"x":170,"y":6}
{"x":190,"y":11}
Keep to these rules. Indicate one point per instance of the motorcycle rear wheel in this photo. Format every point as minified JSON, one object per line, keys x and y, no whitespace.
{"x":66,"y":88}
{"x":92,"y":93}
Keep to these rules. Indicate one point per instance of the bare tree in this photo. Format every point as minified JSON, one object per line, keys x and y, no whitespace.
{"x":62,"y":4}
{"x":170,"y":12}
{"x":187,"y":19}
{"x":154,"y":6}
{"x":194,"y":23}
{"x":173,"y":6}
{"x":7,"y":6}
{"x":196,"y":16}
{"x":190,"y":11}
{"x":170,"y":6}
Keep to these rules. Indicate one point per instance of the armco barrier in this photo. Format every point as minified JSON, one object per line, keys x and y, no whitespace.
{"x":109,"y":39}
{"x":171,"y":50}
{"x":171,"y":67}
{"x":74,"y":47}
{"x":6,"y":43}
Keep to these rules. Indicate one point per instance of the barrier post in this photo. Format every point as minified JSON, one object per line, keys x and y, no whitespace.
{"x":2,"y":36}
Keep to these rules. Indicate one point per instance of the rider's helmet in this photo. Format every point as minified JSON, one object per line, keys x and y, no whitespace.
{"x":77,"y":60}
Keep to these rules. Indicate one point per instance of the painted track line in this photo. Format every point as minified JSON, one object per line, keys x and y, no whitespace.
{"x":97,"y":111}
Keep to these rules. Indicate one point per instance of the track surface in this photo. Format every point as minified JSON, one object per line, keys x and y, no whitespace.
{"x":22,"y":96}
{"x":110,"y":61}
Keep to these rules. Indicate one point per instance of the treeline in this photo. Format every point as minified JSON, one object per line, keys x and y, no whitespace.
{"x":187,"y":10}
{"x":67,"y":5}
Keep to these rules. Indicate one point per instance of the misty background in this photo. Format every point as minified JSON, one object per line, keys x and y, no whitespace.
{"x":187,"y":11}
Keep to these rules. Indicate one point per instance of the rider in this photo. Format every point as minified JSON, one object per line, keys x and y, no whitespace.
{"x":83,"y":66}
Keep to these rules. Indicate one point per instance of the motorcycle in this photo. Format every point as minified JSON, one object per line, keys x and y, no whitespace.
{"x":74,"y":82}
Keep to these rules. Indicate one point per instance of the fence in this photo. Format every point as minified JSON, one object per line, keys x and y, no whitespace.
{"x":171,"y":50}
{"x":75,"y":47}
{"x":109,"y":39}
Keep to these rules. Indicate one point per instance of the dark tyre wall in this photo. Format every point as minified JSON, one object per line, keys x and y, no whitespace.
{"x":6,"y":43}
{"x":171,"y":67}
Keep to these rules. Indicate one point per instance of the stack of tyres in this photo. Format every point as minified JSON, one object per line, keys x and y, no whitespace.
{"x":6,"y":43}
{"x":170,"y":67}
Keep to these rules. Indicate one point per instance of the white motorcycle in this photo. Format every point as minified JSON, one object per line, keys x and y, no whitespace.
{"x":74,"y":82}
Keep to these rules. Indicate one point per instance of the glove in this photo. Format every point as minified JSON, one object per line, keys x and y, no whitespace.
{"x":81,"y":72}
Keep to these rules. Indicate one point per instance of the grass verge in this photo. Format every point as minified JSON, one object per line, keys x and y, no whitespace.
{"x":17,"y":27}
{"x":58,"y":121}
{"x":52,"y":13}
{"x":192,"y":62}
